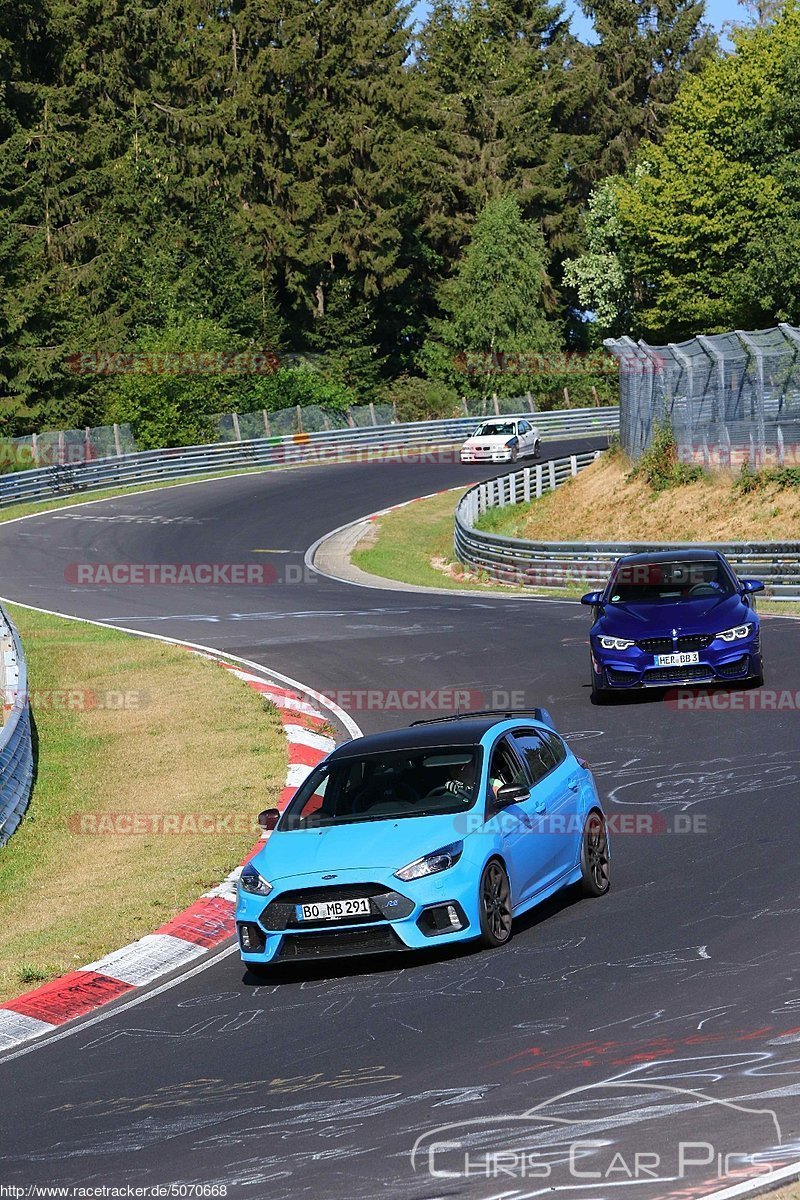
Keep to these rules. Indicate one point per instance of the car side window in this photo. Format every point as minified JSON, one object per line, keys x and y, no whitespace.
{"x":524,"y":427}
{"x":539,"y":759}
{"x":556,"y":745}
{"x":504,"y":768}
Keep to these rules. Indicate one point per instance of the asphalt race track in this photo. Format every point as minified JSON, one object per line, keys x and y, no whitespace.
{"x":664,"y":1014}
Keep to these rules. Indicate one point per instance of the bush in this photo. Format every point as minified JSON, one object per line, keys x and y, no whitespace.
{"x":421,"y":399}
{"x":659,"y":466}
{"x":751,"y":481}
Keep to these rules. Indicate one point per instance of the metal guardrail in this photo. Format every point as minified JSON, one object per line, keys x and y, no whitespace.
{"x":370,"y":443}
{"x":16,"y":746}
{"x":587,"y":564}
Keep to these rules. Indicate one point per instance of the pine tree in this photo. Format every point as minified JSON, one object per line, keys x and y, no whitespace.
{"x":643,"y":52}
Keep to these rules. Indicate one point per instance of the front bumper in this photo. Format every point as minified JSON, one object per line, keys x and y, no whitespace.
{"x":719,"y":663}
{"x":500,"y":456}
{"x":403,"y":916}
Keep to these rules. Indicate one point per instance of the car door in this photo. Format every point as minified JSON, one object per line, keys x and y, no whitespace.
{"x":552,"y":808}
{"x":525,"y":438}
{"x":511,"y":822}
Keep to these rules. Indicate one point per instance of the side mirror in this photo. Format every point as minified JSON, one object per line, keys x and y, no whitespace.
{"x":752,"y":585}
{"x":512,"y":793}
{"x":269,"y":818}
{"x":592,"y":599}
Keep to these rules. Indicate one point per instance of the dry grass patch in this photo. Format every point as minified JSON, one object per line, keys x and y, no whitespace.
{"x":601,"y":504}
{"x":188,"y":738}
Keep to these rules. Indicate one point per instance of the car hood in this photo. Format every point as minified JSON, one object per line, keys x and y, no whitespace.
{"x":495,"y":439}
{"x":706,"y":614}
{"x":368,"y":845}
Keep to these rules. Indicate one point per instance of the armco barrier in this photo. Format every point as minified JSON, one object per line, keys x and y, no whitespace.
{"x":587,"y":564}
{"x":16,"y":749}
{"x":331,"y":446}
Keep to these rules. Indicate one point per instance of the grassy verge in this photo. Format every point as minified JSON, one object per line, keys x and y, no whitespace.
{"x":414,"y":545}
{"x":169,"y":733}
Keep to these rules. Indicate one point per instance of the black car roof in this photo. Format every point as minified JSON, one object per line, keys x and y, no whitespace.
{"x":466,"y":731}
{"x":672,"y":555}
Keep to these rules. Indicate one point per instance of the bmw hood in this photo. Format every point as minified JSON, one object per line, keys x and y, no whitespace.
{"x":361,"y":845}
{"x":706,"y":614}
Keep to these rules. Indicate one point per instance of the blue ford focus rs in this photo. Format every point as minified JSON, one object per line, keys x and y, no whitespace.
{"x":442,"y":832}
{"x":680,"y":617}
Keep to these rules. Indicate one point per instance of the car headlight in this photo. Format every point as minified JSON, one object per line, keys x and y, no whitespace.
{"x":250,"y":881}
{"x":738,"y":631}
{"x":430,"y":864}
{"x":612,"y":643}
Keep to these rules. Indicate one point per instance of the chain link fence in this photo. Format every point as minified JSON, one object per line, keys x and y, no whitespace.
{"x":729,"y":398}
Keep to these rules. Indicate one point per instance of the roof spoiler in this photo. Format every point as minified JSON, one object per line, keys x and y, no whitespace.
{"x":538,"y":714}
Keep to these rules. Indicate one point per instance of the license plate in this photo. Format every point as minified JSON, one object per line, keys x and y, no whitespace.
{"x":333,"y":910}
{"x":683,"y":658}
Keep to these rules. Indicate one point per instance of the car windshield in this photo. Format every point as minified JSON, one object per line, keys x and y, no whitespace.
{"x":385,"y":787}
{"x":640,"y":582}
{"x":497,"y":429}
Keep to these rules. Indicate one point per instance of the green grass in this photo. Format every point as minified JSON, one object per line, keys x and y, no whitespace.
{"x":187,"y":738}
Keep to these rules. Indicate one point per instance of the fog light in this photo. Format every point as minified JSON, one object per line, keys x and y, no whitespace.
{"x":251,"y":938}
{"x":455,"y":920}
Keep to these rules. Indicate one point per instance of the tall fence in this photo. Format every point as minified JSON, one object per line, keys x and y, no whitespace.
{"x":729,"y":397}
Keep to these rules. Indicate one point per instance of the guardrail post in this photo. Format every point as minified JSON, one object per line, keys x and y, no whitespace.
{"x":117,"y":443}
{"x":236,"y":428}
{"x":538,"y":481}
{"x":35,"y":448}
{"x":266,"y":421}
{"x":552,"y":466}
{"x":372,"y":413}
{"x":299,"y":411}
{"x":573,"y":464}
{"x":526,"y":485}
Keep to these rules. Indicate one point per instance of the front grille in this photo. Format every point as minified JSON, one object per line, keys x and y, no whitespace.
{"x":338,"y":943}
{"x":281,"y":913}
{"x":664,"y":645}
{"x":695,"y":641}
{"x":676,"y":674}
{"x":655,"y":645}
{"x":735,"y":668}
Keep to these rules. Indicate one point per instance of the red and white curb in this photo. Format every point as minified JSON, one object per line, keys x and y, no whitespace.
{"x":200,"y":927}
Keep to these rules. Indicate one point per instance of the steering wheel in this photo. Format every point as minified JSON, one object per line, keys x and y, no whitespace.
{"x":703,"y":589}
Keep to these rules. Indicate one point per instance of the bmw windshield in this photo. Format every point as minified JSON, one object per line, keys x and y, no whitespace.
{"x":497,"y":429}
{"x":385,"y":787}
{"x":643,"y":582}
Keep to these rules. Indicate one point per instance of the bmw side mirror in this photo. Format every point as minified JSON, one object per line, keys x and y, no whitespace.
{"x":512,"y":793}
{"x":268,"y":819}
{"x":592,"y":599}
{"x":752,"y":585}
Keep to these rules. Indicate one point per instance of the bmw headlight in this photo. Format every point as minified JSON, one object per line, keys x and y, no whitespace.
{"x":612,"y":643}
{"x":250,"y":881}
{"x":738,"y":631}
{"x":431,"y":864}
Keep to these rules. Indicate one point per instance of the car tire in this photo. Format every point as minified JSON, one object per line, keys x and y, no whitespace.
{"x":594,"y":856}
{"x":494,"y":905}
{"x":514,"y":453}
{"x":537,"y":449}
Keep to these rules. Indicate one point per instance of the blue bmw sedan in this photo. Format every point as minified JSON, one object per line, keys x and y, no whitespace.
{"x":442,"y":832}
{"x":680,"y":617}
